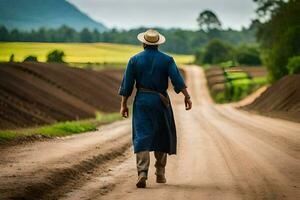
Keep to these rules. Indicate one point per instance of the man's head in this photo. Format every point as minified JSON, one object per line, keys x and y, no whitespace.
{"x":151,"y":38}
{"x":145,"y":46}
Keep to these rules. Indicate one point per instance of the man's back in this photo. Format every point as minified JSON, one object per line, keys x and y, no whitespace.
{"x":151,"y":69}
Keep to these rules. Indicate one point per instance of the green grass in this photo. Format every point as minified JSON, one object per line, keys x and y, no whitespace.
{"x":107,"y":118}
{"x":260,"y":81}
{"x":62,"y":128}
{"x":238,"y":86}
{"x":243,"y":87}
{"x":236,"y":75}
{"x":255,"y":81}
{"x":101,"y":53}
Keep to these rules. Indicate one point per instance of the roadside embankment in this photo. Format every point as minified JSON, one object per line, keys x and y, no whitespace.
{"x":281,"y":100}
{"x":34,"y":94}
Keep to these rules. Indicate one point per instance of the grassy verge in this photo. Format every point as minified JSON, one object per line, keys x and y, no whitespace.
{"x":61,"y":128}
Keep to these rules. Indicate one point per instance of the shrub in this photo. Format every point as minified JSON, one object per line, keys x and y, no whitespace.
{"x":294,"y":65}
{"x":248,"y":56}
{"x":31,"y":59}
{"x":199,"y":55}
{"x":12,"y":58}
{"x":227,"y":64}
{"x":216,"y":52}
{"x":56,"y":56}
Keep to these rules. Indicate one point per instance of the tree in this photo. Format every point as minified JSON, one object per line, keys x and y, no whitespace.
{"x":4,"y":35}
{"x":279,"y":38}
{"x":217,"y":52}
{"x":66,"y":33}
{"x":267,"y":7}
{"x":208,"y":21}
{"x":96,"y":35}
{"x":31,"y":59}
{"x":86,"y":35}
{"x":294,"y":65}
{"x":41,"y":34}
{"x":15,"y":35}
{"x":246,"y":55}
{"x":56,"y":56}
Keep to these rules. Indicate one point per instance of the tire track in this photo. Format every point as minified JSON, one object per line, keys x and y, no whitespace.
{"x":240,"y":164}
{"x":29,"y":173}
{"x":58,"y":182}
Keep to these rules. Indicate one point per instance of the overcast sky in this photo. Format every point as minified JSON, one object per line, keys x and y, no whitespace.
{"x":127,"y":14}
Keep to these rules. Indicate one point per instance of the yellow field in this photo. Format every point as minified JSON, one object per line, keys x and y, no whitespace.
{"x":78,"y":52}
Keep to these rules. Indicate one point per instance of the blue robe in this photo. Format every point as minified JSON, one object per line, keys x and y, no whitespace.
{"x":153,"y":126}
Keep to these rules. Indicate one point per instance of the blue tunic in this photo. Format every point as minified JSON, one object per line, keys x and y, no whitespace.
{"x":153,"y":126}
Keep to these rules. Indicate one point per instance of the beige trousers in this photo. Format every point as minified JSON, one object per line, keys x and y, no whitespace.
{"x":143,"y":162}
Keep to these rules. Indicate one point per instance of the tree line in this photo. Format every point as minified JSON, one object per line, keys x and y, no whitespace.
{"x":223,"y":54}
{"x":178,"y":40}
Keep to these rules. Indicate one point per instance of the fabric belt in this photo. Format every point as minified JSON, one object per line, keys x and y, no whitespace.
{"x":165,"y":100}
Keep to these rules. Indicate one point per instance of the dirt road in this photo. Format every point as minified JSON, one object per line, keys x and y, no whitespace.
{"x":223,"y":153}
{"x":47,"y":169}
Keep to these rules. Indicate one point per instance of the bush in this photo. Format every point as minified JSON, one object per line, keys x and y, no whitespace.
{"x":31,"y":59}
{"x":248,"y":56}
{"x":199,"y":56}
{"x":216,"y":52}
{"x":227,"y":64}
{"x":294,"y":65}
{"x":56,"y":56}
{"x":12,"y":58}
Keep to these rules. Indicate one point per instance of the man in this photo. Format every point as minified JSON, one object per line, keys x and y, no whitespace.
{"x":153,"y":122}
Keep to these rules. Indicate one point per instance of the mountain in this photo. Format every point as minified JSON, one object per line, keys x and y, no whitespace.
{"x":33,"y":14}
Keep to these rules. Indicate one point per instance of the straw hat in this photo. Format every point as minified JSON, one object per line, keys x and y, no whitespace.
{"x":151,"y":37}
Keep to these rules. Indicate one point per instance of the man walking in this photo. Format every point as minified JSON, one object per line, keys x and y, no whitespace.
{"x":153,"y":126}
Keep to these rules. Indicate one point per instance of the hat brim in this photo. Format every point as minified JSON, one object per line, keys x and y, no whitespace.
{"x":141,"y":38}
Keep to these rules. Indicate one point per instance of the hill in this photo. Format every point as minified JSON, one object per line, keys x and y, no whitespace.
{"x":280,"y":100}
{"x":33,"y":14}
{"x":37,"y":93}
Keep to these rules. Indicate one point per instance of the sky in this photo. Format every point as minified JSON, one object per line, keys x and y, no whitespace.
{"x":126,"y":14}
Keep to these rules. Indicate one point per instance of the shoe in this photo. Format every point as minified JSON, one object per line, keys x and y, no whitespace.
{"x":161,"y":179}
{"x":141,"y":183}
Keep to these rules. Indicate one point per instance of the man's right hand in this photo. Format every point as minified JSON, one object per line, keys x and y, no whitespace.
{"x":124,"y":111}
{"x":188,"y":103}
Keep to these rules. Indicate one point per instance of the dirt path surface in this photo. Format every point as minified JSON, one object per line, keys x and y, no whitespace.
{"x":223,"y":153}
{"x":47,"y":169}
